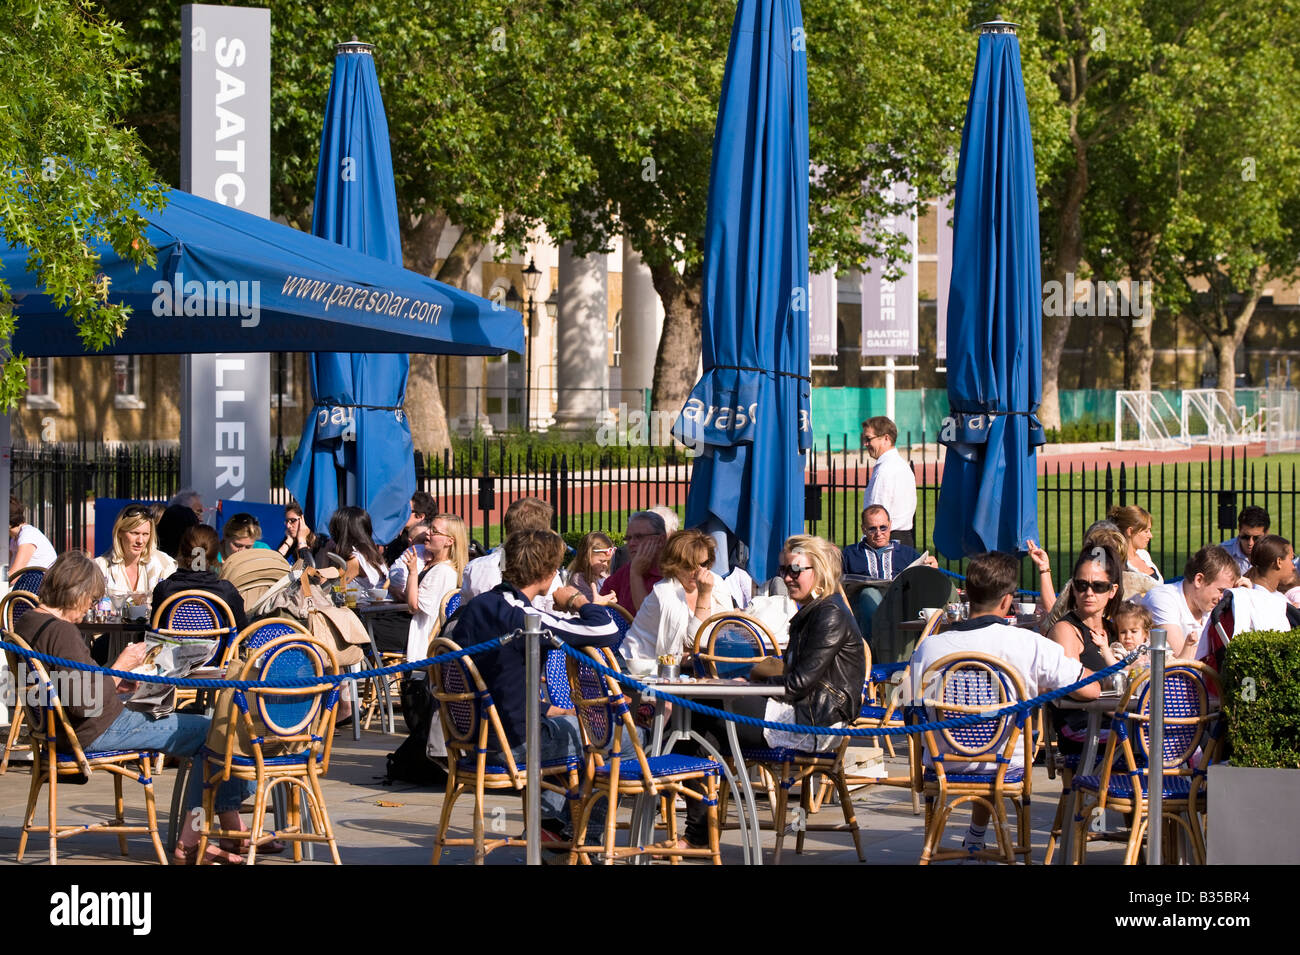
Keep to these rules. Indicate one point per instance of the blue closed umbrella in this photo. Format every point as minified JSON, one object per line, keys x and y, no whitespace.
{"x":989,"y":497}
{"x":749,"y":414}
{"x":359,"y":431}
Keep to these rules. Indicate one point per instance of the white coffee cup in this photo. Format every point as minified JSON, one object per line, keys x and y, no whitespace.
{"x":928,"y":612}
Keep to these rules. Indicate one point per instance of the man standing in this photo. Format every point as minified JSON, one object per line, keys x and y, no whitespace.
{"x":892,"y":484}
{"x":646,"y":535}
{"x":1252,"y":524}
{"x":877,"y":556}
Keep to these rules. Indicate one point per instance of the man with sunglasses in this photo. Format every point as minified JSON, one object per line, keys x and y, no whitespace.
{"x":892,"y":484}
{"x":1252,"y":524}
{"x":876,"y":555}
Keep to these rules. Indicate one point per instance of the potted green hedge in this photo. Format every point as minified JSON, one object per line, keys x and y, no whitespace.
{"x":1252,"y":817}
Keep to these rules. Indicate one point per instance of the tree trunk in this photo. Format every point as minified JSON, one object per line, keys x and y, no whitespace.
{"x":1138,"y":358}
{"x":1069,"y":252}
{"x":679,"y":346}
{"x":1229,"y":335}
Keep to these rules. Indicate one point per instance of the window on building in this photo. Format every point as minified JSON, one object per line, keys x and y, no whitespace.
{"x":126,"y":382}
{"x":40,"y":383}
{"x":616,"y":356}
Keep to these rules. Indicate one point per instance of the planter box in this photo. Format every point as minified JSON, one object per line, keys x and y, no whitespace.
{"x":1252,"y":818}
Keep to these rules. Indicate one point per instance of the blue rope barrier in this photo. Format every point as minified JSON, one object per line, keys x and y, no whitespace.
{"x":1014,"y":709}
{"x":283,"y":684}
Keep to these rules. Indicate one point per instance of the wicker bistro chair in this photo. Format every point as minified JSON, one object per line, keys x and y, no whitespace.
{"x":605,"y":717}
{"x":958,"y":685}
{"x":471,"y":728}
{"x":56,"y":753}
{"x":12,"y":606}
{"x":729,"y":644}
{"x":29,"y":579}
{"x":197,"y":614}
{"x":275,"y":738}
{"x":1190,"y":741}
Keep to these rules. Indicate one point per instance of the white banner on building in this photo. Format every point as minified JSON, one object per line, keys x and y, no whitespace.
{"x":823,"y":307}
{"x":889,"y":308}
{"x":226,"y":157}
{"x":943,"y":277}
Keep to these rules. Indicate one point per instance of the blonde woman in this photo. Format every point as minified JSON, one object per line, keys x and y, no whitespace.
{"x":1135,"y":524}
{"x":134,"y":564}
{"x":428,"y":581}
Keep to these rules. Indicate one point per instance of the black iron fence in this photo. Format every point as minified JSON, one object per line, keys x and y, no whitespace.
{"x":595,"y":488}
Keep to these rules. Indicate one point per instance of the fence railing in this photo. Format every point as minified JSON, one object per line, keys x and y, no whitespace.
{"x":596,"y":488}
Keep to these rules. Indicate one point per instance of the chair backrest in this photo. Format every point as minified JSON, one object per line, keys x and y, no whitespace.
{"x":13,"y":605}
{"x":261,"y":632}
{"x":28,"y":578}
{"x":604,"y":715}
{"x":555,"y":680}
{"x":622,"y":620}
{"x":913,"y":590}
{"x":1187,"y":718}
{"x":900,"y":682}
{"x":450,"y":604}
{"x":729,"y":644}
{"x":966,"y":683}
{"x":197,"y":613}
{"x":41,"y":705}
{"x":274,"y":720}
{"x":469,"y":717}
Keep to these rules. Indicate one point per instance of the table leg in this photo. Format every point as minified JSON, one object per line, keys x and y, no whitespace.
{"x":184,"y":767}
{"x":1087,"y":759}
{"x":754,"y":846}
{"x":388,"y":718}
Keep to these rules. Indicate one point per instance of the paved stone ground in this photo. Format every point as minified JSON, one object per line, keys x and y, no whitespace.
{"x":382,"y":825}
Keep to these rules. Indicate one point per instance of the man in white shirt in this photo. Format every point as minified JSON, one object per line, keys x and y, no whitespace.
{"x":1262,"y":606}
{"x":991,"y":581}
{"x":892,"y":484}
{"x":484,"y":573}
{"x":1183,"y":608}
{"x":1252,"y":524}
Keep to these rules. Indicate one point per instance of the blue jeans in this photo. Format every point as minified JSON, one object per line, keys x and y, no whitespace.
{"x":177,"y":734}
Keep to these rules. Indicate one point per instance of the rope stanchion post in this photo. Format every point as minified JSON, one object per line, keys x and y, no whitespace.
{"x":1156,"y":754}
{"x":532,"y":734}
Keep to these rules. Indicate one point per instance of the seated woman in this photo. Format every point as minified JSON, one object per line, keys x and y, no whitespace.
{"x":688,"y":595}
{"x":1135,"y":524}
{"x":590,"y":568}
{"x":446,"y":552}
{"x":134,"y":565}
{"x":1087,"y":629}
{"x":28,"y":547}
{"x":823,"y":668}
{"x":241,"y":532}
{"x":354,"y":541}
{"x":297,"y":535}
{"x":195,"y":571}
{"x":71,"y":587}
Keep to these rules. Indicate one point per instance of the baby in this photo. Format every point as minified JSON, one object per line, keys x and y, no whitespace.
{"x":1133,"y":621}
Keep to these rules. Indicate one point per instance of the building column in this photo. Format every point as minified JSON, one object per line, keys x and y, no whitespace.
{"x":582,"y":350}
{"x":642,"y":324}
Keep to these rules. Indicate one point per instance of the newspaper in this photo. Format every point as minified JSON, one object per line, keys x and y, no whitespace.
{"x":167,"y":656}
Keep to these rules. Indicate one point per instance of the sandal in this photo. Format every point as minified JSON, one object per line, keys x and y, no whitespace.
{"x":189,"y":855}
{"x":240,"y":847}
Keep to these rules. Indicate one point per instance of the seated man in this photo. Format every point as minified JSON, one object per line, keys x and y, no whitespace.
{"x":631,"y":583}
{"x":1252,"y":524}
{"x":876,"y":555}
{"x":1262,"y":606}
{"x":484,"y":573}
{"x":990,"y":586}
{"x":532,"y":560}
{"x":423,"y":509}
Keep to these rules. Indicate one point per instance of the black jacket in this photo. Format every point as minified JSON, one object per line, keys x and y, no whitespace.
{"x":825,"y":663}
{"x":184,"y":579}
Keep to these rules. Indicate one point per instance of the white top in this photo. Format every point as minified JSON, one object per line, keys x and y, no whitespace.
{"x":159,"y":567}
{"x":665,"y":624}
{"x":373,"y":576}
{"x":893,"y":487}
{"x":484,"y":573}
{"x":1168,"y":605}
{"x":1150,"y":563}
{"x":1253,"y":608}
{"x":1041,"y":663}
{"x":43,"y":556}
{"x":1233,"y":547}
{"x":742,"y":587}
{"x":397,"y":573}
{"x":439,"y":581}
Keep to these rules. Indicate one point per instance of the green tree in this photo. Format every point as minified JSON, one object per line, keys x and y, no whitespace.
{"x":72,"y":175}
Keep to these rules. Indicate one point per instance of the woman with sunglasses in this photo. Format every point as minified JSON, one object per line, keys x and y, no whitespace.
{"x":1092,"y":596}
{"x":590,"y":567}
{"x":688,"y":595}
{"x":429,"y":580}
{"x":134,"y":564}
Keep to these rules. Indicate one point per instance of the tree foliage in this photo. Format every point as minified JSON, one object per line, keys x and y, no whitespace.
{"x":72,"y":175}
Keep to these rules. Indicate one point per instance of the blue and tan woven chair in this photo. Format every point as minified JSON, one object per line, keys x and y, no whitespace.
{"x":972,"y":764}
{"x":12,"y":606}
{"x":1190,"y":742}
{"x":56,"y":754}
{"x":275,"y":737}
{"x":622,"y":619}
{"x":729,"y":644}
{"x":471,"y":728}
{"x":606,"y":720}
{"x":28,"y":578}
{"x":196,"y":615}
{"x":450,"y":604}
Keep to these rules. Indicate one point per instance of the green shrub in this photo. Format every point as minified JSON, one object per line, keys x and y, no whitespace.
{"x":1261,"y":699}
{"x":1084,"y":430}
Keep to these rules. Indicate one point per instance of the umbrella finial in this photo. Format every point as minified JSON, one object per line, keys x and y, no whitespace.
{"x":354,"y":46}
{"x":999,"y":26}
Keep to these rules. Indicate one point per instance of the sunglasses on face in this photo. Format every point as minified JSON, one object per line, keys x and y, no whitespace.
{"x":1249,"y":538}
{"x":878,"y":529}
{"x":792,"y":570}
{"x":1096,"y":586}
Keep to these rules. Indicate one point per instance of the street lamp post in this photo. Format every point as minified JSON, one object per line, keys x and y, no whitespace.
{"x":531,"y":275}
{"x":513,"y":301}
